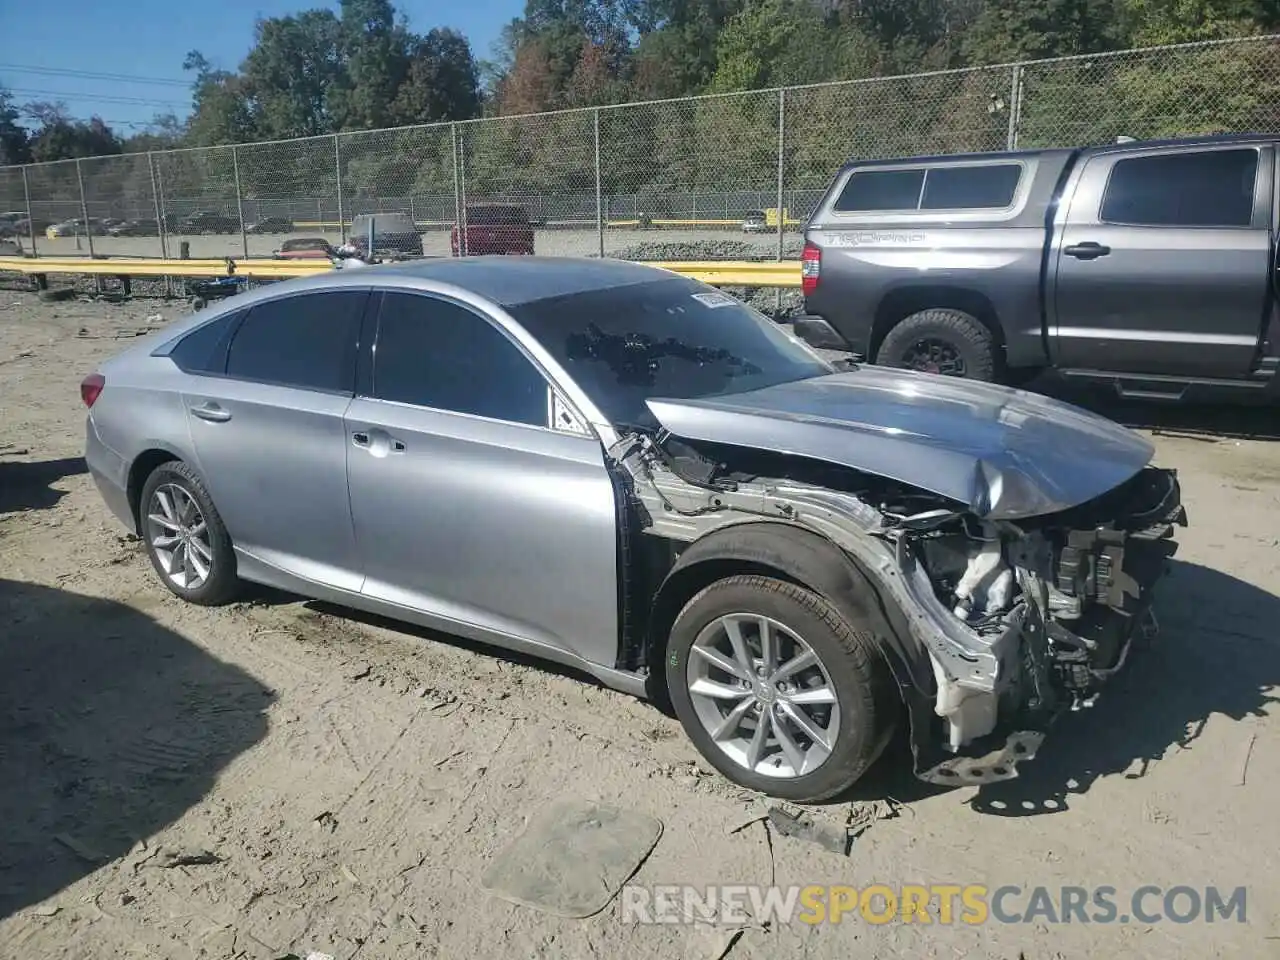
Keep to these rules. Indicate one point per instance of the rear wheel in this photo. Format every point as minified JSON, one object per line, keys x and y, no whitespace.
{"x":777,"y":689}
{"x":188,"y":544}
{"x":945,"y":341}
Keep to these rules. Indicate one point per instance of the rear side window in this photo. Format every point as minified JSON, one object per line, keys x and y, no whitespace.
{"x":204,"y":349}
{"x":307,"y":341}
{"x":434,"y":353}
{"x":871,"y":190}
{"x":1210,"y":188}
{"x":986,"y":186}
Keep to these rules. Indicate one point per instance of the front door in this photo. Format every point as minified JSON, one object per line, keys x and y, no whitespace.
{"x":467,"y":506}
{"x":1163,"y":263}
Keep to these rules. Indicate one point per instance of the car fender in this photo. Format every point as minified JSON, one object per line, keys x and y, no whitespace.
{"x":807,"y":558}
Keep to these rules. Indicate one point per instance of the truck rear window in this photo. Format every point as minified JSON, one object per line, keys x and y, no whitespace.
{"x":986,"y":186}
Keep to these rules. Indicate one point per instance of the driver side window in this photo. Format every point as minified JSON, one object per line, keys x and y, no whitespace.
{"x":434,"y":353}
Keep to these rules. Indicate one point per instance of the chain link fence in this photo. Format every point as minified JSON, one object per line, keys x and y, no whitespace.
{"x":674,"y":179}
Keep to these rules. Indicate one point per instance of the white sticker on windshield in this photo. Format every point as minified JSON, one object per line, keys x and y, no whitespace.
{"x":715,"y":299}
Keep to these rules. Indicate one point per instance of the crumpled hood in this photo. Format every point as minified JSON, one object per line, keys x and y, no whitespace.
{"x":1003,"y":453}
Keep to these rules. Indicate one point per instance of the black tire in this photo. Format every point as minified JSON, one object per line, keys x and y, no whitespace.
{"x":861,"y":680}
{"x":958,"y":336}
{"x":221,"y":584}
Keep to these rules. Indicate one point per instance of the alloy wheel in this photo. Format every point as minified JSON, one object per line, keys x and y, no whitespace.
{"x":763,"y":695}
{"x":179,"y":536}
{"x":935,"y":356}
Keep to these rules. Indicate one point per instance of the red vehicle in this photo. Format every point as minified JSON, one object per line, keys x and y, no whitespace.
{"x":306,"y":248}
{"x":494,"y":228}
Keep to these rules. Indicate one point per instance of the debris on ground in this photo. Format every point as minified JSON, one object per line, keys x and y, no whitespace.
{"x":358,"y":670}
{"x":325,"y":821}
{"x":572,"y":858}
{"x":81,"y":849}
{"x":838,"y":838}
{"x":802,"y":826}
{"x":712,"y":943}
{"x":169,"y":857}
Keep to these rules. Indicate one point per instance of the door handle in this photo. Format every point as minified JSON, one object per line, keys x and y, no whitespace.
{"x":360,"y":439}
{"x":1087,"y":250}
{"x":211,"y":412}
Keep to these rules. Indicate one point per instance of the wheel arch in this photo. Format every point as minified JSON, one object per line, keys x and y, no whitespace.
{"x":795,"y":554}
{"x":143,"y":465}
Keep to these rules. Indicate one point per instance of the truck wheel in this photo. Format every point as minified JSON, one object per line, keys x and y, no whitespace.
{"x":777,"y":689}
{"x":941,"y":340}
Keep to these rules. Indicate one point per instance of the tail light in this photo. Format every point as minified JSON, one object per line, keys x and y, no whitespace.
{"x":90,"y":387}
{"x":810,"y":268}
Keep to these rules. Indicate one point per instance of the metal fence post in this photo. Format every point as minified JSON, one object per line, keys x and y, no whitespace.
{"x":155,"y":199}
{"x":235,"y":169}
{"x":782,"y":163}
{"x":337,"y":175}
{"x":31,"y":221}
{"x":457,"y":185}
{"x":599,"y":187}
{"x":84,"y":207}
{"x":1015,"y":107}
{"x":462,"y":195}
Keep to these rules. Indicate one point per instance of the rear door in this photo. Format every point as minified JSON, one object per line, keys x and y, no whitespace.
{"x":268,"y":433}
{"x":467,"y":506}
{"x":1163,"y":261}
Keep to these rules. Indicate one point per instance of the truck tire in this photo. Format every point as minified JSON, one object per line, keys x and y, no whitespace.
{"x":941,"y":340}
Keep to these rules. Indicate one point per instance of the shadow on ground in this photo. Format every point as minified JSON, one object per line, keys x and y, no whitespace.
{"x":1210,"y":422}
{"x":1217,"y":653}
{"x":28,"y":485}
{"x":111,"y":728}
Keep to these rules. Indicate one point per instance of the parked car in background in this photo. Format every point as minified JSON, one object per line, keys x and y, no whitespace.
{"x":1149,"y":266}
{"x":77,"y":227}
{"x":395,"y":235}
{"x":135,"y":228}
{"x":494,"y":228}
{"x":756,"y":221}
{"x":271,"y":225}
{"x":205,"y":221}
{"x":305,"y":248}
{"x":634,"y":474}
{"x":25,"y":227}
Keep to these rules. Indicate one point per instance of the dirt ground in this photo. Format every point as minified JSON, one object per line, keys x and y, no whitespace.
{"x":353,"y":778}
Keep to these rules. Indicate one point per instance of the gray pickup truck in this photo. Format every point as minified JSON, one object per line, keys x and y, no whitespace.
{"x":1149,"y":265}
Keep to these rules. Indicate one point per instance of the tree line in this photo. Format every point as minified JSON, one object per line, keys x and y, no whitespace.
{"x":362,"y":67}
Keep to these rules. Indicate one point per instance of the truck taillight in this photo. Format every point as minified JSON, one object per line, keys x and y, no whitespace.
{"x":90,"y":387}
{"x":810,"y":268}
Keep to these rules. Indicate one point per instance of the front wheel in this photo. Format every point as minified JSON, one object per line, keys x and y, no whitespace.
{"x":950,"y":342}
{"x":777,"y":689}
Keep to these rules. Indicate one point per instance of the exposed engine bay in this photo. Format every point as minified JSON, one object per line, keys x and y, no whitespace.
{"x":1010,"y":622}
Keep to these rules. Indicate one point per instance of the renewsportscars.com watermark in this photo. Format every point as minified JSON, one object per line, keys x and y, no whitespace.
{"x":933,"y":903}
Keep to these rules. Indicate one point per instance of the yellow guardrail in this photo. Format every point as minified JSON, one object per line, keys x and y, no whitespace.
{"x":728,"y":273}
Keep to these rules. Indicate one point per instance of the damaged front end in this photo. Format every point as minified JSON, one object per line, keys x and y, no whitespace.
{"x":1000,"y":624}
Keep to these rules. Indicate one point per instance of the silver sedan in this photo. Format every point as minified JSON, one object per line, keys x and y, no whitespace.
{"x":620,"y":469}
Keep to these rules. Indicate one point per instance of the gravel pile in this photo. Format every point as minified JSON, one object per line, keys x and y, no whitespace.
{"x":709,"y":250}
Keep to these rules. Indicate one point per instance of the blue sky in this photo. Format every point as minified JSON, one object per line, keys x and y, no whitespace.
{"x":149,"y":38}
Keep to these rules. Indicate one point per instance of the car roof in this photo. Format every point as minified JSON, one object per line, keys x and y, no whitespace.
{"x":507,"y":281}
{"x":512,"y":280}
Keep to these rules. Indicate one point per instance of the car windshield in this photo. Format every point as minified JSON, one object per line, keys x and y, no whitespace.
{"x":676,"y":338}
